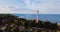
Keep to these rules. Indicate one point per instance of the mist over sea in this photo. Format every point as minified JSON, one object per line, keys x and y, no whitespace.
{"x":44,"y":17}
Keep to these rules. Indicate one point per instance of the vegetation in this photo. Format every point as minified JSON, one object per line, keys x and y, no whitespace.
{"x":11,"y":23}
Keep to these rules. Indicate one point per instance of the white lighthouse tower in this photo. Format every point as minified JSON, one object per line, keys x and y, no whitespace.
{"x":37,"y":16}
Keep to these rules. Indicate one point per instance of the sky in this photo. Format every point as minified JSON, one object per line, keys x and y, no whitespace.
{"x":30,"y":6}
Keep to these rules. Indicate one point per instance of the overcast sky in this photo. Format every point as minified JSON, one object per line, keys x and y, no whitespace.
{"x":30,"y":6}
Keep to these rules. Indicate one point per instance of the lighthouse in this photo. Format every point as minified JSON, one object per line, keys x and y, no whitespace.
{"x":37,"y":16}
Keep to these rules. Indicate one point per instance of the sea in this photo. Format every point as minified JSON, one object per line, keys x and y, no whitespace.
{"x":44,"y":17}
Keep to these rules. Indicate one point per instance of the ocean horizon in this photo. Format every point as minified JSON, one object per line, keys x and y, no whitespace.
{"x":44,"y":17}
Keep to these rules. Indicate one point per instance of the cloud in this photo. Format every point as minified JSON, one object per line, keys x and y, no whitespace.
{"x":27,"y":2}
{"x":51,"y":8}
{"x":6,"y":10}
{"x":14,"y":10}
{"x":30,"y":6}
{"x":45,"y":6}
